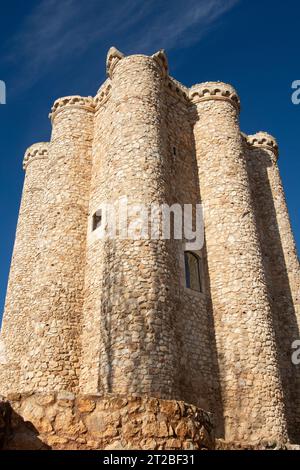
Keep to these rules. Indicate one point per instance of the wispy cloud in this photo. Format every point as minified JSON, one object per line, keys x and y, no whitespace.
{"x":186,"y":23}
{"x":56,"y":30}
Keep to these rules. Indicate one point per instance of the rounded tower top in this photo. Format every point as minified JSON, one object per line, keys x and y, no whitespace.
{"x":263,"y":140}
{"x":114,"y":56}
{"x":83,"y":102}
{"x":37,"y":151}
{"x":214,"y":91}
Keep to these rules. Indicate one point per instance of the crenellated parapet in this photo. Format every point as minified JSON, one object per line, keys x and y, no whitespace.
{"x":176,"y":89}
{"x":103,"y":94}
{"x":161,"y":58}
{"x":214,"y":91}
{"x":37,"y":151}
{"x":113,"y":57}
{"x":172,"y":86}
{"x":244,"y":138}
{"x":81,"y":102}
{"x":263,"y":140}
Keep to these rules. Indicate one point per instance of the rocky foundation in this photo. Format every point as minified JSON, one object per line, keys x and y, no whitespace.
{"x":61,"y":421}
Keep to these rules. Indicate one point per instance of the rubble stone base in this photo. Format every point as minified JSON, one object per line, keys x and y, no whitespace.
{"x":61,"y":421}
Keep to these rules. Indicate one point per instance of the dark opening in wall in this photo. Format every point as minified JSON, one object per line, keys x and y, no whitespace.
{"x":97,"y":219}
{"x":193,"y":271}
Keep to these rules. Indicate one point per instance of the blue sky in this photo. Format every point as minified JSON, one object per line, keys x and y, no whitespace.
{"x":53,"y":48}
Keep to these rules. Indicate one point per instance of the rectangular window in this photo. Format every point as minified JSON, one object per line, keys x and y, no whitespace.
{"x":193,"y":271}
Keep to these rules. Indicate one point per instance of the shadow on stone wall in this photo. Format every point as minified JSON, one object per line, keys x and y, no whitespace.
{"x":278,"y":284}
{"x":216,"y":401}
{"x":17,"y":434}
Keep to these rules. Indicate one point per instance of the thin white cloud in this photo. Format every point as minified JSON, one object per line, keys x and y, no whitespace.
{"x":185,"y":25}
{"x":56,"y":30}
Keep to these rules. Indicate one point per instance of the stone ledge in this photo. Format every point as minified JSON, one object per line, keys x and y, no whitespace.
{"x":259,"y":445}
{"x":64,"y":421}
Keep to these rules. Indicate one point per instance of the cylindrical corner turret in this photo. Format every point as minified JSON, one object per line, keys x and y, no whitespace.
{"x":15,"y":326}
{"x":281,"y":263}
{"x":244,"y":333}
{"x":52,"y":361}
{"x":128,"y":343}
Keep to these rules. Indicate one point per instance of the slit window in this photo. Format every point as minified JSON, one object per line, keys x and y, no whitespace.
{"x":97,"y":219}
{"x":193,"y":271}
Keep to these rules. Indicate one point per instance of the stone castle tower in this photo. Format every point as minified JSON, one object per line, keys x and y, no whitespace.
{"x":118,"y":317}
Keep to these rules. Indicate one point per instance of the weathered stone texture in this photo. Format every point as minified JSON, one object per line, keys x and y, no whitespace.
{"x":106,"y":316}
{"x":133,"y":302}
{"x":280,"y":263}
{"x":242,"y":317}
{"x":60,"y":421}
{"x":18,"y":308}
{"x":136,"y":302}
{"x":53,"y":350}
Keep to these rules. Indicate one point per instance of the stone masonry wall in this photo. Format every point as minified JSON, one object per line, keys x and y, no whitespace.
{"x":131,"y":285}
{"x":65,"y":422}
{"x":137,"y":133}
{"x":53,"y":350}
{"x":15,"y":326}
{"x":249,"y":375}
{"x":194,"y":335}
{"x":280,"y":262}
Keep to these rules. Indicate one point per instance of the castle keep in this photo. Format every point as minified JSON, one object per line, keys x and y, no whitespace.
{"x":91,"y":317}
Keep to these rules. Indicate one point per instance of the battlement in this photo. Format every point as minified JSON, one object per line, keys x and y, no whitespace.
{"x":264,"y":140}
{"x":176,"y":89}
{"x":103,"y":94}
{"x":214,"y":91}
{"x":161,"y":58}
{"x":113,"y":57}
{"x":76,"y":101}
{"x":37,"y":151}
